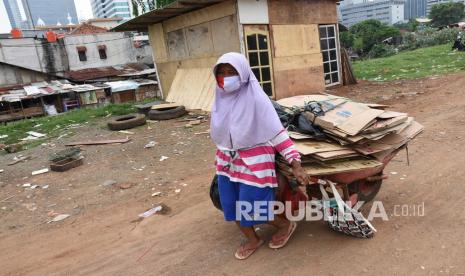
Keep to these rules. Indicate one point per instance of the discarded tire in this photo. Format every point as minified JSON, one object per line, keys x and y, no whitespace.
{"x":167,"y":114}
{"x":215,"y":194}
{"x":145,"y":108}
{"x":127,"y":122}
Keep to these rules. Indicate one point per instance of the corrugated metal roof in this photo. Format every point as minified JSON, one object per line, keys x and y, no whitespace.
{"x":104,"y":72}
{"x":176,"y":8}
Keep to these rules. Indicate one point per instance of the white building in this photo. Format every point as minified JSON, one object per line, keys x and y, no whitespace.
{"x":430,"y":3}
{"x":112,"y":8}
{"x":386,"y":11}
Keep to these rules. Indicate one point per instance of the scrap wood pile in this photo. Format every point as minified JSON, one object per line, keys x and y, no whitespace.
{"x":335,"y":134}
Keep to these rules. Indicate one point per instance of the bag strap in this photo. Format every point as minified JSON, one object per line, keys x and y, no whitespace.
{"x":323,"y":192}
{"x":340,"y":203}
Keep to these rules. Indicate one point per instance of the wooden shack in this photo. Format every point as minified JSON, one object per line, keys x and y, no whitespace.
{"x":292,"y":45}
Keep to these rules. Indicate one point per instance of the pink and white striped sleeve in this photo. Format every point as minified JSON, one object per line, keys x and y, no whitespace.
{"x":284,"y":145}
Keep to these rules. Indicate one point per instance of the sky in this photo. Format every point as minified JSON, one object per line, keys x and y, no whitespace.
{"x":83,"y":8}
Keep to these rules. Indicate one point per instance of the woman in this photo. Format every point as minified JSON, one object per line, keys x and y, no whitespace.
{"x":248,"y":133}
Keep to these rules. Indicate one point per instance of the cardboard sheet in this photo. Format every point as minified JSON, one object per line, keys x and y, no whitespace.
{"x":311,"y":147}
{"x":391,"y":141}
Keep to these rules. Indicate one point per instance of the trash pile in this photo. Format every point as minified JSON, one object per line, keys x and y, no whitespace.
{"x":335,"y":134}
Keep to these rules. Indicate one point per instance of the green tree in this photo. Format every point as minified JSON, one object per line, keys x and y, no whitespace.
{"x":346,"y":39}
{"x":410,"y":26}
{"x":447,"y":13}
{"x":371,"y":32}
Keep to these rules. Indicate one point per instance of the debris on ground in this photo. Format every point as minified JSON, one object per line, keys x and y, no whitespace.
{"x":126,"y":132}
{"x":102,"y":142}
{"x":66,"y":164}
{"x":163,"y":158}
{"x":12,"y":148}
{"x":109,"y":183}
{"x":126,"y":122}
{"x":151,"y":212}
{"x":159,"y":209}
{"x":46,"y":170}
{"x":177,"y":191}
{"x":156,"y":194}
{"x":1,"y":170}
{"x":32,"y":135}
{"x":18,"y":159}
{"x":59,"y":218}
{"x":124,"y":186}
{"x":150,"y":144}
{"x":3,"y":136}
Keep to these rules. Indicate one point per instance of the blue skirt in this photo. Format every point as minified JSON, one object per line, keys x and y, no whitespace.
{"x":245,"y":203}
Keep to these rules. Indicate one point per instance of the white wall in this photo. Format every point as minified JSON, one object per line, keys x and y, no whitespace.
{"x":253,"y":11}
{"x":31,"y":54}
{"x":397,"y":13}
{"x":119,"y":50}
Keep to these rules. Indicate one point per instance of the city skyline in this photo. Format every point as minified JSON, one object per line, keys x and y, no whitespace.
{"x":83,"y":10}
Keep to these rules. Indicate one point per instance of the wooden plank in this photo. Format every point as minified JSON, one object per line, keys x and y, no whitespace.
{"x":298,"y":82}
{"x":167,"y":70}
{"x":296,"y":40}
{"x":164,"y":106}
{"x":297,"y":62}
{"x":302,"y":11}
{"x":200,"y":16}
{"x":193,"y":88}
{"x":102,"y":142}
{"x":177,"y":47}
{"x":199,"y":40}
{"x":158,"y":43}
{"x":225,"y":35}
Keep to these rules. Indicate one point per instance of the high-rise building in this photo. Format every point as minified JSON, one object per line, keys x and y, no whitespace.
{"x":13,"y":12}
{"x":414,"y":9}
{"x":431,"y":3}
{"x":111,"y":8}
{"x":386,"y":11}
{"x":50,"y":12}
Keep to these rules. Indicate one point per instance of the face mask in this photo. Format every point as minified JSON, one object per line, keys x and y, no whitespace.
{"x":231,"y":84}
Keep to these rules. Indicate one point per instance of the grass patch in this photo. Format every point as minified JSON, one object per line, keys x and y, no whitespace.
{"x":420,"y":63}
{"x":55,"y":126}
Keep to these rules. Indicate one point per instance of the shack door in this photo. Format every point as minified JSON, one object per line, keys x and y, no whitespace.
{"x":330,"y":50}
{"x":257,"y":46}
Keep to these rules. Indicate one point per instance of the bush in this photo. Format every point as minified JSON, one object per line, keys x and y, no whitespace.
{"x":370,"y":32}
{"x":427,"y":37}
{"x":382,"y":50}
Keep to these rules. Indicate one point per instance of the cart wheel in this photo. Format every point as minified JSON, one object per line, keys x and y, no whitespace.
{"x":366,"y":190}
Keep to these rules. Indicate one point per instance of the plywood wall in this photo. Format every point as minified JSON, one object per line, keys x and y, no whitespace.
{"x":302,"y":11}
{"x":297,"y":60}
{"x":292,"y":40}
{"x":194,"y":40}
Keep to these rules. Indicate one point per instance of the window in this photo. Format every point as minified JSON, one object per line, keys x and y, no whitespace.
{"x":82,"y":53}
{"x":258,"y":53}
{"x":102,"y":51}
{"x":329,"y":50}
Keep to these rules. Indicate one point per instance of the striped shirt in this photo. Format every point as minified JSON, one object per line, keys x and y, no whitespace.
{"x":255,"y":166}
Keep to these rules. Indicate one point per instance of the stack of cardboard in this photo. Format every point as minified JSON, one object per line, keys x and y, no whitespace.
{"x":359,"y":135}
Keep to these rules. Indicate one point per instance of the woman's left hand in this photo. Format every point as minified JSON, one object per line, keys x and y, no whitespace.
{"x":299,"y":173}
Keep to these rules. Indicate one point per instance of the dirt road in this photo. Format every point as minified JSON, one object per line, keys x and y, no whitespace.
{"x":101,"y":238}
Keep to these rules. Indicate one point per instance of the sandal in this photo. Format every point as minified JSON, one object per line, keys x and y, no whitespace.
{"x":282,"y":240}
{"x":248,"y":251}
